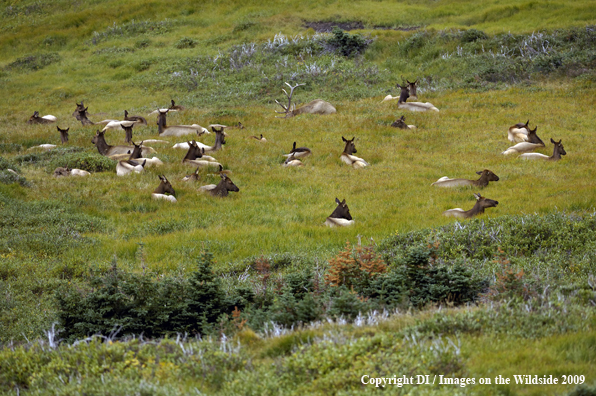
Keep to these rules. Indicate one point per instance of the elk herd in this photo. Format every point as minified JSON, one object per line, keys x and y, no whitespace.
{"x":134,"y":158}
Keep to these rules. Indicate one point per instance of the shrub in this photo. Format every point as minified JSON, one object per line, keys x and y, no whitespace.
{"x":354,"y":267}
{"x":43,"y":158}
{"x":347,"y":44}
{"x":91,"y":162}
{"x":185,"y":42}
{"x":10,"y":147}
{"x":34,"y":62}
{"x":7,"y":177}
{"x":472,"y":35}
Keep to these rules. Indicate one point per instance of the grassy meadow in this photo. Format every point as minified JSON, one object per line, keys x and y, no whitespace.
{"x":486,"y":66}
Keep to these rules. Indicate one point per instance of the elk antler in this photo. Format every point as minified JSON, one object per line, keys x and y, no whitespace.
{"x":287,"y":109}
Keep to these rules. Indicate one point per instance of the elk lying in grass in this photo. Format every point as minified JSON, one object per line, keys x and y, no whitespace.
{"x":485,"y":177}
{"x":81,"y":113}
{"x":66,"y":172}
{"x":193,"y":176}
{"x":519,"y":132}
{"x":412,"y":106}
{"x":341,"y":215}
{"x":164,"y":190}
{"x":45,"y":146}
{"x":300,"y":152}
{"x":481,"y":204}
{"x":532,"y":143}
{"x":113,"y":152}
{"x":176,"y":130}
{"x":127,"y":167}
{"x":258,"y":138}
{"x":173,"y":107}
{"x":137,"y":156}
{"x":401,"y":124}
{"x":224,"y":127}
{"x":46,"y":119}
{"x":348,"y":158}
{"x":558,"y":151}
{"x":221,"y":189}
{"x":292,"y":161}
{"x":195,"y":156}
{"x":317,"y":106}
{"x":63,"y":134}
{"x":138,"y":119}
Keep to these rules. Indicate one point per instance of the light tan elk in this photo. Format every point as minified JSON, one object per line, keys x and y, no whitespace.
{"x":485,"y":177}
{"x":137,"y":156}
{"x":412,"y":106}
{"x":347,"y":155}
{"x":176,"y":130}
{"x":532,"y":143}
{"x":164,"y":190}
{"x":481,"y":204}
{"x":558,"y":151}
{"x":317,"y":106}
{"x":401,"y":124}
{"x":46,"y":119}
{"x":341,"y":215}
{"x":66,"y":172}
{"x":519,"y":132}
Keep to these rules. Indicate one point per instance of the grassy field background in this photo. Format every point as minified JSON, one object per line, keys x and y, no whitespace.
{"x":486,"y":66}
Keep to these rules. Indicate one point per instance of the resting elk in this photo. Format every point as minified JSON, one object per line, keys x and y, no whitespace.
{"x":63,"y":134}
{"x":111,"y":151}
{"x":519,"y":132}
{"x":341,"y":215}
{"x":348,"y":158}
{"x":300,"y":152}
{"x":481,"y":204}
{"x":412,"y":106}
{"x":65,"y":172}
{"x":258,"y":138}
{"x":195,"y":156}
{"x":531,"y":143}
{"x":221,"y":189}
{"x":138,"y":119}
{"x":292,"y":161}
{"x":558,"y":151}
{"x":164,"y":190}
{"x":81,"y":113}
{"x":176,"y":130}
{"x":137,"y":156}
{"x":317,"y":106}
{"x":401,"y":124}
{"x":485,"y":177}
{"x":46,"y":119}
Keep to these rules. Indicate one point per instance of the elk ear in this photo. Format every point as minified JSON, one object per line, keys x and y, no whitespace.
{"x":479,"y":173}
{"x":478,"y":196}
{"x":552,"y":141}
{"x":337,"y":201}
{"x":203,"y":150}
{"x":343,"y":202}
{"x":162,"y":178}
{"x":527,"y":122}
{"x":344,"y":139}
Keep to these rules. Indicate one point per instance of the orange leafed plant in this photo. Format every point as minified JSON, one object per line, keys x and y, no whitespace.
{"x":353,"y":264}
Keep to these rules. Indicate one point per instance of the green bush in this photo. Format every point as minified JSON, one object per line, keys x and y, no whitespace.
{"x":347,"y":44}
{"x":90,"y":162}
{"x":185,"y":42}
{"x":43,"y":158}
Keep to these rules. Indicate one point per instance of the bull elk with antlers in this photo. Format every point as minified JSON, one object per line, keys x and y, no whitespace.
{"x":317,"y":106}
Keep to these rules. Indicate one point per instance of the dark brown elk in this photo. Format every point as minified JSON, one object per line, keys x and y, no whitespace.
{"x":164,"y":190}
{"x":347,"y":155}
{"x":485,"y":177}
{"x":401,"y":124}
{"x":176,"y":130}
{"x":63,"y":134}
{"x":558,"y":151}
{"x":104,"y":148}
{"x":81,"y":114}
{"x":317,"y":106}
{"x":341,"y":215}
{"x":412,"y":88}
{"x":221,"y":189}
{"x":531,"y":143}
{"x":46,"y":119}
{"x":481,"y":204}
{"x":138,"y":119}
